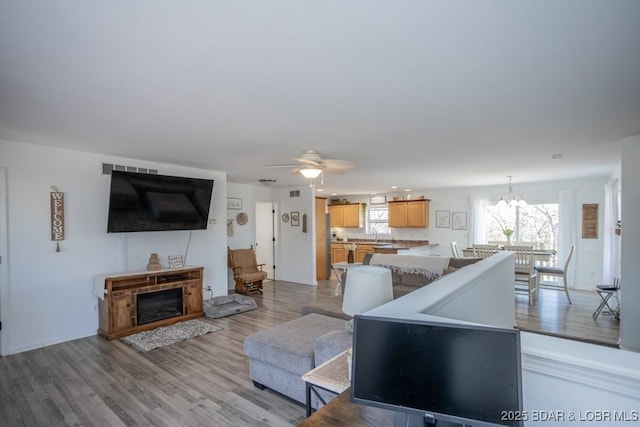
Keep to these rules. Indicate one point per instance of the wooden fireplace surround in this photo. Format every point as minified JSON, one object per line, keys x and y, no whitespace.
{"x":118,"y":309}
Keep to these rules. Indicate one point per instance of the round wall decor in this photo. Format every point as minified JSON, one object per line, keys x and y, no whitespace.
{"x":242,"y":218}
{"x":285,"y":217}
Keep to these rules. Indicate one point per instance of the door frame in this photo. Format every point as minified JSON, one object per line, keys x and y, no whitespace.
{"x":4,"y":267}
{"x":268,"y":224}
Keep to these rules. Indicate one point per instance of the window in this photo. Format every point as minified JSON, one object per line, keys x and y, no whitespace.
{"x":535,"y":224}
{"x":378,"y":220}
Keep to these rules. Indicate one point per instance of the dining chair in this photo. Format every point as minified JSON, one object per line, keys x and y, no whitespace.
{"x":455,"y":251}
{"x":607,"y":292}
{"x":484,"y":251}
{"x":558,"y":272}
{"x":525,"y":271}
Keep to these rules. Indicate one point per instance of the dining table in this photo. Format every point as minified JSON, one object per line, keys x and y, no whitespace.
{"x":539,"y":255}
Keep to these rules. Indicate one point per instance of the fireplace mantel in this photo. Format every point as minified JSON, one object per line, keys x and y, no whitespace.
{"x":118,"y":309}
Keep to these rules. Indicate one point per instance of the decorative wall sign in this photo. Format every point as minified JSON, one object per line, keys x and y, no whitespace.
{"x":295,"y":219}
{"x":378,"y":200}
{"x":57,"y":215}
{"x":590,"y":221}
{"x":175,"y":261}
{"x":443,"y":219}
{"x":234,"y":203}
{"x":459,"y":221}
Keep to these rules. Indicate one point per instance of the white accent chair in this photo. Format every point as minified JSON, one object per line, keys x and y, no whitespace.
{"x":455,"y":251}
{"x":483,"y":251}
{"x":558,"y":272}
{"x":525,"y":272}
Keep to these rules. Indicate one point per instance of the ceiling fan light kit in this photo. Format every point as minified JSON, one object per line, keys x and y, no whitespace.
{"x":310,"y":172}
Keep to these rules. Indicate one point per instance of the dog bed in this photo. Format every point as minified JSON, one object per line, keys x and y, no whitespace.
{"x":227,"y":305}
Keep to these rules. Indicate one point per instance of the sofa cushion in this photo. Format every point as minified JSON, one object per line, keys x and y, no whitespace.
{"x":331,"y":344}
{"x":331,"y":306}
{"x":291,"y":344}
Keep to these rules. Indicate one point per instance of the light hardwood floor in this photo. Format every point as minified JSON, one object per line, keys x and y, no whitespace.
{"x":199,"y":382}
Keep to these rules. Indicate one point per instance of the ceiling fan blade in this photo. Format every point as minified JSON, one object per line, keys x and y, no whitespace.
{"x":291,"y":165}
{"x":334,"y":171}
{"x":307,"y":161}
{"x":338,"y":164}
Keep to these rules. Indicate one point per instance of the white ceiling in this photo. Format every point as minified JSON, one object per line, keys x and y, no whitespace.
{"x":420,"y":94}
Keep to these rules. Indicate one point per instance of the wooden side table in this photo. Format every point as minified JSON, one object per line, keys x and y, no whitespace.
{"x":331,"y":376}
{"x":341,"y":412}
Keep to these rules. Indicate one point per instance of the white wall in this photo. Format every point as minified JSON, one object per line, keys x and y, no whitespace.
{"x":578,"y":379}
{"x":630,"y":235}
{"x":589,"y":253}
{"x":296,"y":251}
{"x":244,"y":235}
{"x":49,"y":296}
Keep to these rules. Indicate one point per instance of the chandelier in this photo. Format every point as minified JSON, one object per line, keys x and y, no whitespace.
{"x":510,"y":198}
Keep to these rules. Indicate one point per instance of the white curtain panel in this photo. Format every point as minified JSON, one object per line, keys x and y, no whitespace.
{"x":478,"y":219}
{"x":568,"y":225}
{"x":611,"y":262}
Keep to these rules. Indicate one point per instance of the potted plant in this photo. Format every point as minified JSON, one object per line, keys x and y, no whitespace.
{"x":508,"y":232}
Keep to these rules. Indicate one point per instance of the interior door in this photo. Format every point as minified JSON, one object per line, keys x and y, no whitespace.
{"x":265,"y":235}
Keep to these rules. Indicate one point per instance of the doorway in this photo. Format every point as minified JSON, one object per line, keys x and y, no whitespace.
{"x":265,"y":237}
{"x":4,"y":282}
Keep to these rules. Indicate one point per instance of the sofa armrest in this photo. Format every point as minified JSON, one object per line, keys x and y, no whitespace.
{"x":331,"y":344}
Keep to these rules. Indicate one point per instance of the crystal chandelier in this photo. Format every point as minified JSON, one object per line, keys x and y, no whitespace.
{"x":510,"y":199}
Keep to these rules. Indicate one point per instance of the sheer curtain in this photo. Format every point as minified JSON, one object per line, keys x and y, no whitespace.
{"x":478,"y":219}
{"x":568,"y":223}
{"x":611,"y":261}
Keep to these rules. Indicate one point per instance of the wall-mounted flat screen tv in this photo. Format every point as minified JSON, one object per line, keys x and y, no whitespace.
{"x":149,"y":202}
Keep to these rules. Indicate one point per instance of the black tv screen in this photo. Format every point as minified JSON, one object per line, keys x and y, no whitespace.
{"x":436,"y":371}
{"x":148,"y":202}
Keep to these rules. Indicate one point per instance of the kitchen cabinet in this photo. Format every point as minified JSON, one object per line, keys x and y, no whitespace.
{"x":409,"y":213}
{"x":338,"y":253}
{"x":347,"y":215}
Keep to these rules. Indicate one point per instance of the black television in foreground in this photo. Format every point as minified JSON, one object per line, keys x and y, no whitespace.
{"x":437,"y":373}
{"x":149,"y":202}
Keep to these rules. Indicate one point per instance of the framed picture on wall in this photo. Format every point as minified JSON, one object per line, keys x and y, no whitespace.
{"x":459,"y":221}
{"x":443,"y":219}
{"x":234,"y":203}
{"x":295,"y":219}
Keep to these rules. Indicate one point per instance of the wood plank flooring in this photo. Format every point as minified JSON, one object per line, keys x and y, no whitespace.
{"x":553,"y":315}
{"x":199,"y":382}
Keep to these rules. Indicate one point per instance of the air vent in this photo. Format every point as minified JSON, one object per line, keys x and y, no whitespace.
{"x":108,"y":167}
{"x":294,"y":193}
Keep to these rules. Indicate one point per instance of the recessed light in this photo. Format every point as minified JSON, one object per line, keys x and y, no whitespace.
{"x":407,"y":189}
{"x":334,"y":194}
{"x":394,"y":187}
{"x":556,"y":156}
{"x":320,"y":189}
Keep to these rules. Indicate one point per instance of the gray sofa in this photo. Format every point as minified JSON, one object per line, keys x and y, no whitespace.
{"x":280,"y":355}
{"x":403,"y":283}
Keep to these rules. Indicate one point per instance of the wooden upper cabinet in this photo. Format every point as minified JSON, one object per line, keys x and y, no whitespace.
{"x":348,"y":215}
{"x":409,"y":213}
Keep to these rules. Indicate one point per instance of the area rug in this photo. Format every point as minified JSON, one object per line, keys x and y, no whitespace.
{"x":167,"y":335}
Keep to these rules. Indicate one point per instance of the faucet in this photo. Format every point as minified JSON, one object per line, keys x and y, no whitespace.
{"x":375,"y":235}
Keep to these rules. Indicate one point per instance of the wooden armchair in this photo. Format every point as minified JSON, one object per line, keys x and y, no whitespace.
{"x":247,"y":272}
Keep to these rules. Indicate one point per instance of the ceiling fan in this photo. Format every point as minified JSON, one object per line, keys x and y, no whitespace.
{"x":311,"y":164}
